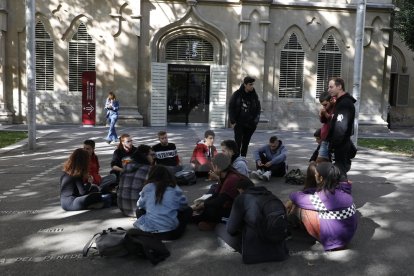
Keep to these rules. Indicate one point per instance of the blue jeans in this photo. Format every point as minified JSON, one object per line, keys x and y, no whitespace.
{"x":112,"y":136}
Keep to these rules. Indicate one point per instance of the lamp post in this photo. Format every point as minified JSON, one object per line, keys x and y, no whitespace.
{"x":358,"y":62}
{"x":31,"y":72}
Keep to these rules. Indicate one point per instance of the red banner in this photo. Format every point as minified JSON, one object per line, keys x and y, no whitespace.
{"x":89,"y":98}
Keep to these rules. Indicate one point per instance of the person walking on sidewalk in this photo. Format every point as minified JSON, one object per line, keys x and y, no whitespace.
{"x":342,"y":127}
{"x":111,"y":107}
{"x":270,"y":160}
{"x":244,"y":113}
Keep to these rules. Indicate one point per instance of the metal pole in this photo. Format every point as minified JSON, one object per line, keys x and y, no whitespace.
{"x":358,"y":62}
{"x":31,"y":72}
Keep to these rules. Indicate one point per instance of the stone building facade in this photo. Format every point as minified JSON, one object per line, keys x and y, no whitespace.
{"x":178,"y":62}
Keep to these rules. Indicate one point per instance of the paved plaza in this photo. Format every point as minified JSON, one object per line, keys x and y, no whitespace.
{"x":39,"y":238}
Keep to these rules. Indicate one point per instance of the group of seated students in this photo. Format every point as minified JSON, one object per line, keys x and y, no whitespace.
{"x":145,"y":186}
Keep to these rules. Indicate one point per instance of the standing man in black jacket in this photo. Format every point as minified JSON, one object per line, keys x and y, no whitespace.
{"x":244,"y":113}
{"x":342,"y":126}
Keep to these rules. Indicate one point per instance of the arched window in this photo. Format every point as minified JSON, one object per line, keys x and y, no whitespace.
{"x":329,"y":65}
{"x":81,"y":57}
{"x":292,"y":59}
{"x":45,"y":67}
{"x":189,"y":48}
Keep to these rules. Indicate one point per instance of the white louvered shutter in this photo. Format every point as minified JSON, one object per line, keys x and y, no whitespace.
{"x":218,"y":95}
{"x":158,"y":113}
{"x":292,"y":59}
{"x":81,"y":57}
{"x":45,"y":67}
{"x":329,"y":65}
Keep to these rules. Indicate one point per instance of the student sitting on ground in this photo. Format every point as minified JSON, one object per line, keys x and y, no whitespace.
{"x":132,"y":180}
{"x":162,"y":206}
{"x":270,"y":160}
{"x":241,"y":231}
{"x":211,"y":211}
{"x":107,"y":183}
{"x":166,"y":153}
{"x":122,"y":155}
{"x":203,"y":154}
{"x":239,"y":163}
{"x":75,"y":194}
{"x":328,"y":214}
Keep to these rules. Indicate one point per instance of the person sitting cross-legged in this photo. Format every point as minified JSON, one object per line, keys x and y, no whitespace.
{"x":270,"y":160}
{"x":328,"y":211}
{"x":75,"y":193}
{"x":212,"y":210}
{"x":107,"y":183}
{"x":162,"y":206}
{"x":166,"y":153}
{"x":241,"y":231}
{"x":203,"y":152}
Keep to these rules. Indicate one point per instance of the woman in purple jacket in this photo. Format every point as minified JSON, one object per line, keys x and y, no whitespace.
{"x":328,"y":212}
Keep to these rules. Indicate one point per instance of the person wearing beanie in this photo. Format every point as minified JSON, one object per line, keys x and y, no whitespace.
{"x":244,"y":113}
{"x":212,"y":211}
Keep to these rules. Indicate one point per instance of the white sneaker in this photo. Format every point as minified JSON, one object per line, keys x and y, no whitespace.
{"x":266,"y":175}
{"x":257,"y":174}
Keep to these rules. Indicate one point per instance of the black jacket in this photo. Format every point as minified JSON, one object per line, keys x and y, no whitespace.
{"x":342,"y":123}
{"x":242,"y":220}
{"x":244,"y":108}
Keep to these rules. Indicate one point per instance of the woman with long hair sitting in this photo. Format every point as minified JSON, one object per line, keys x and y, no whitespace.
{"x":329,"y":213}
{"x":75,"y":194}
{"x":162,"y":206}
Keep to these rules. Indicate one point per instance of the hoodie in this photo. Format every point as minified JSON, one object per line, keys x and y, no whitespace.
{"x":342,"y":123}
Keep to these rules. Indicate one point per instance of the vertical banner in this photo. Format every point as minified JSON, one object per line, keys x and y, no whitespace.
{"x":89,"y":98}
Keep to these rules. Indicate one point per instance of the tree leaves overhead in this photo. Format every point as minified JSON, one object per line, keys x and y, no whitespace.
{"x":404,"y":21}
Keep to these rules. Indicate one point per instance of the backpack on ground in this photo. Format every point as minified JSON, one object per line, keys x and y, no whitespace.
{"x":295,"y":177}
{"x":272,"y":224}
{"x":186,"y":177}
{"x":118,"y":242}
{"x":109,"y":242}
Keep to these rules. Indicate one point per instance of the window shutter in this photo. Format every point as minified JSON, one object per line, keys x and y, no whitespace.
{"x":45,"y":67}
{"x":189,"y":48}
{"x":81,"y":57}
{"x":403,"y":88}
{"x":329,"y":65}
{"x":292,"y":59}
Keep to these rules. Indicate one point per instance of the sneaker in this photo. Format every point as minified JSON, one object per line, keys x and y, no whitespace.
{"x":266,"y":175}
{"x":257,"y":174}
{"x":113,"y":143}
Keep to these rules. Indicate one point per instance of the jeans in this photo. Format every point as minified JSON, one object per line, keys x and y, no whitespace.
{"x":342,"y":159}
{"x":112,"y":136}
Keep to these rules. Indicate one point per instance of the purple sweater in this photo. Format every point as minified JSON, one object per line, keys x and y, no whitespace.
{"x":336,"y":213}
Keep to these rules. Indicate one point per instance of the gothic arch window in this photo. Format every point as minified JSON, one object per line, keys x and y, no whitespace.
{"x":189,"y":48}
{"x":45,"y":67}
{"x":81,"y":57}
{"x":399,"y":81}
{"x":329,"y":64}
{"x":292,"y":59}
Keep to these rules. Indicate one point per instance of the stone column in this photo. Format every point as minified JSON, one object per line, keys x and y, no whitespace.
{"x":5,"y":114}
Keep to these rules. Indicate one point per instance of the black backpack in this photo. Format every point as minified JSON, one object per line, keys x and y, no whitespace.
{"x":271,"y":223}
{"x":185,"y":178}
{"x":118,"y":242}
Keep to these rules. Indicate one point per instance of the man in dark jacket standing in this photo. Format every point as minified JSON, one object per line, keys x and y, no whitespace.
{"x":244,"y":113}
{"x":342,"y":126}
